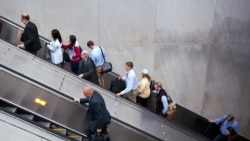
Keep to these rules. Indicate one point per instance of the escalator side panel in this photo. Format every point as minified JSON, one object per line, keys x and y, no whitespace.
{"x":26,"y":66}
{"x":119,"y":108}
{"x":65,"y":112}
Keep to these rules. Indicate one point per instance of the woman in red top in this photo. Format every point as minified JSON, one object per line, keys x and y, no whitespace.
{"x":73,"y":50}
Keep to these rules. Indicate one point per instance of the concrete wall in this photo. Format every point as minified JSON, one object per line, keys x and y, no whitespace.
{"x":198,"y":49}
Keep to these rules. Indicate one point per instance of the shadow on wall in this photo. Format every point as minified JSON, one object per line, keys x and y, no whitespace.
{"x":229,"y":30}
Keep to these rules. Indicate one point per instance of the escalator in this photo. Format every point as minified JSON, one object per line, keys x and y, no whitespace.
{"x":183,"y":125}
{"x":53,"y":112}
{"x":69,"y":85}
{"x":18,"y":129}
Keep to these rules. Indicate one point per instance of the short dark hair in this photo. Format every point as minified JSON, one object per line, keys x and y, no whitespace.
{"x":230,"y":117}
{"x":56,"y":35}
{"x":129,"y":64}
{"x":25,"y":16}
{"x":72,"y":38}
{"x":90,"y":43}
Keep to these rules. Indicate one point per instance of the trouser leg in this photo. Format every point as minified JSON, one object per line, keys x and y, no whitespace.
{"x":130,"y":96}
{"x":75,"y":67}
{"x":100,"y":76}
{"x":220,"y":137}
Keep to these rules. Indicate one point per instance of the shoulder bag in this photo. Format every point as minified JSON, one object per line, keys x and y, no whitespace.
{"x":107,"y":66}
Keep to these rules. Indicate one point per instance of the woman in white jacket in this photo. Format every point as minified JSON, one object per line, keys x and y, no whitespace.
{"x":55,"y":47}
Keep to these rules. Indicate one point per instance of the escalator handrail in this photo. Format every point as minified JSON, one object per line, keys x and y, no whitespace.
{"x":71,"y":98}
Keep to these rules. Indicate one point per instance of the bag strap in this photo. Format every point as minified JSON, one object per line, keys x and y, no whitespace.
{"x":169,"y":98}
{"x":102,"y":53}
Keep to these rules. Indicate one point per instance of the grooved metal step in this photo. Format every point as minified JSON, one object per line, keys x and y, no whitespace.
{"x":27,"y":116}
{"x":60,"y":130}
{"x":11,"y":109}
{"x":44,"y":123}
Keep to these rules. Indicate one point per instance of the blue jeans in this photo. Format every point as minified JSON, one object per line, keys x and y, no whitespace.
{"x":75,"y":67}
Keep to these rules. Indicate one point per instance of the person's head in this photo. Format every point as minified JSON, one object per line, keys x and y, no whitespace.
{"x":72,"y":39}
{"x":25,"y":18}
{"x":90,"y":44}
{"x":145,"y":74}
{"x":230,"y":117}
{"x":158,"y":86}
{"x":88,"y":91}
{"x":128,"y":66}
{"x":56,"y":35}
{"x":85,"y":54}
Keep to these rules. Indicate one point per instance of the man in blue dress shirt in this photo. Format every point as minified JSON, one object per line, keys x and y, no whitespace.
{"x":131,"y":83}
{"x":98,"y":55}
{"x":226,"y":121}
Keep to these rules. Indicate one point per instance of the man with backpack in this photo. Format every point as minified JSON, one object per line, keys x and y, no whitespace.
{"x":162,"y":100}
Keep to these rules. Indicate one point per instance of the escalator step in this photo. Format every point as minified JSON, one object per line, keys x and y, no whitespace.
{"x":60,"y":130}
{"x":28,"y":116}
{"x":75,"y":137}
{"x":44,"y":123}
{"x":11,"y":109}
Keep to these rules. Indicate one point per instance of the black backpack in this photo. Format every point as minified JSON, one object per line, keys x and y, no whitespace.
{"x":152,"y":85}
{"x":117,"y":85}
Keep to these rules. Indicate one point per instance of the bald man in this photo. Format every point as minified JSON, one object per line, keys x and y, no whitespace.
{"x":98,"y":115}
{"x":88,"y":69}
{"x":30,"y":36}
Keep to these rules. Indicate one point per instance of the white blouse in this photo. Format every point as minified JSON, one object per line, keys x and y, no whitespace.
{"x":55,"y":52}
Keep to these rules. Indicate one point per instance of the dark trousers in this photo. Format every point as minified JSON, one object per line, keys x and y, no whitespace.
{"x":75,"y":67}
{"x":142,"y":101}
{"x":221,"y":137}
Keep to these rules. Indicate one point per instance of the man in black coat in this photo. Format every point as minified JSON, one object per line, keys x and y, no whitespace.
{"x":30,"y":36}
{"x":98,"y":115}
{"x":88,"y":68}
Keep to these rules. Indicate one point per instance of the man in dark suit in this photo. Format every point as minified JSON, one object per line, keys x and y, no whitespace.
{"x":30,"y":36}
{"x":88,"y":69}
{"x":98,"y":115}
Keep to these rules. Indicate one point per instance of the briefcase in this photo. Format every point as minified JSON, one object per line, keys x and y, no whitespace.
{"x":106,"y":67}
{"x":99,"y":137}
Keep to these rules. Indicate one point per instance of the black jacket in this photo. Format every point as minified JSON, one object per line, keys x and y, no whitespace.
{"x":30,"y":38}
{"x":159,"y":104}
{"x":88,"y":70}
{"x":97,"y":111}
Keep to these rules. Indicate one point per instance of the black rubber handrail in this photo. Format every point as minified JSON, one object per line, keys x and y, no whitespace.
{"x":71,"y":98}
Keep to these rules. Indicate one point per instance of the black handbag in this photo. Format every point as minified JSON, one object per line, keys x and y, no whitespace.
{"x":66,"y":56}
{"x":107,"y":66}
{"x":99,"y":137}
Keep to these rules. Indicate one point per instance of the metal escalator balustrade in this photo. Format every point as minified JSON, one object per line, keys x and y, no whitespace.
{"x":69,"y":84}
{"x":60,"y":114}
{"x":120,"y":108}
{"x":40,"y":121}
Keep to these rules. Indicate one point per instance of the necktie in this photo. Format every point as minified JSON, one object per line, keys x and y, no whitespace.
{"x":126,"y":75}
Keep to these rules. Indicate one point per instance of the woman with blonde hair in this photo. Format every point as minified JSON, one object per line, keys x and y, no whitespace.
{"x":143,"y":88}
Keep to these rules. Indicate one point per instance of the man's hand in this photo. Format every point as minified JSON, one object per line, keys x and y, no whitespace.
{"x":21,"y":46}
{"x":118,"y":94}
{"x":119,"y":77}
{"x":210,"y":120}
{"x":80,"y":76}
{"x":76,"y":99}
{"x":98,"y":130}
